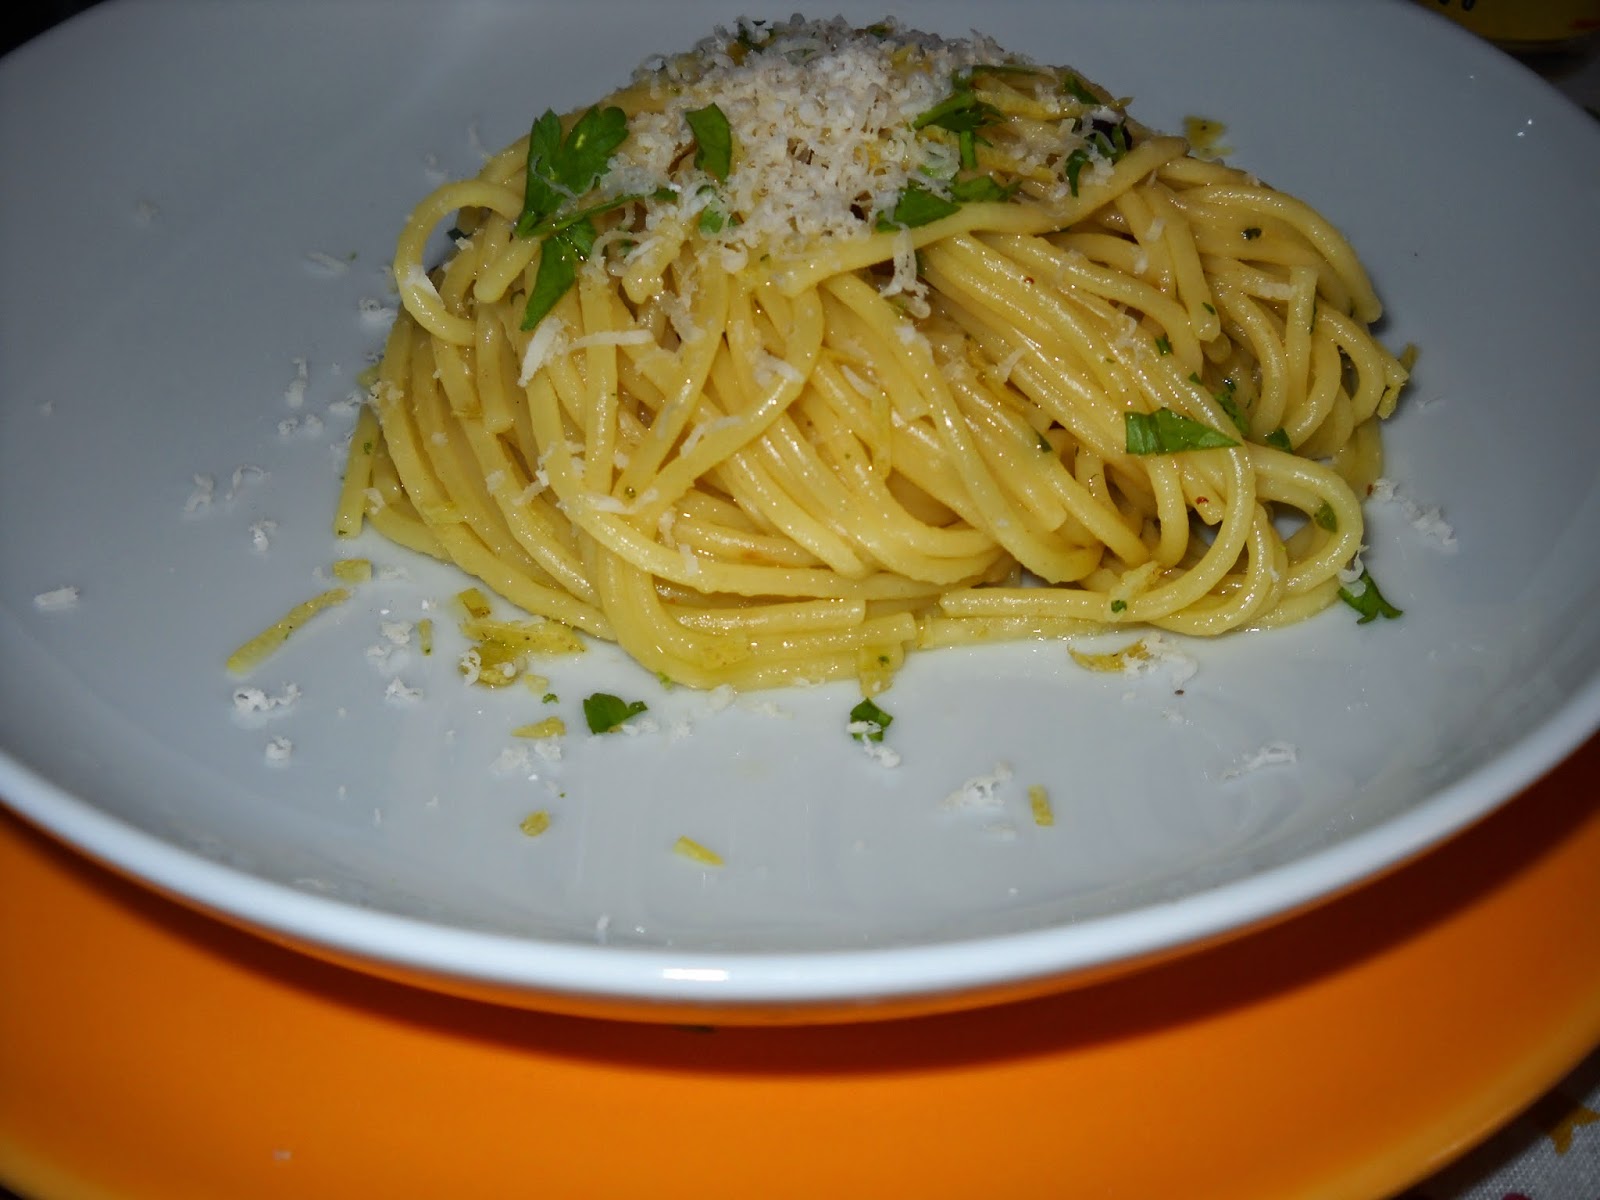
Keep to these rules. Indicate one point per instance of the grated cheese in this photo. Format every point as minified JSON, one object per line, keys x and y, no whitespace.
{"x":980,"y":791}
{"x":1273,"y":754}
{"x":249,"y":700}
{"x":1427,"y":521}
{"x":821,"y":113}
{"x":295,"y":394}
{"x":57,"y":599}
{"x":205,"y":488}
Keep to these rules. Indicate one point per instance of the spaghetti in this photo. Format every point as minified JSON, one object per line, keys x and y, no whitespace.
{"x":818,"y":344}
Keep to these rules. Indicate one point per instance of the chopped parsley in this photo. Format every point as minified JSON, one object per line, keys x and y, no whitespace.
{"x":1278,"y":439}
{"x":981,"y":188}
{"x":1369,"y":602}
{"x":559,"y":259}
{"x":915,"y":206}
{"x":1235,"y":413}
{"x":1326,"y":518}
{"x":1076,"y":162}
{"x":713,"y":141}
{"x":1073,"y":86}
{"x":560,"y":168}
{"x":1163,"y":345}
{"x":874,"y":720}
{"x":960,"y":112}
{"x":1112,"y":143}
{"x":1119,"y":606}
{"x":1168,"y":432}
{"x":1226,"y":401}
{"x":604,"y":712}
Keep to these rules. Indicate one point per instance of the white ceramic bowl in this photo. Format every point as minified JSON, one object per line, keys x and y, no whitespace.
{"x":158,"y":300}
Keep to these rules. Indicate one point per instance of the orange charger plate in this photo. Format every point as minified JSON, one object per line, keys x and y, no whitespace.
{"x":147,"y":1050}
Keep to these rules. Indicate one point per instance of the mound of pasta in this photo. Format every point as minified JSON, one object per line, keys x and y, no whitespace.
{"x":816,"y":344}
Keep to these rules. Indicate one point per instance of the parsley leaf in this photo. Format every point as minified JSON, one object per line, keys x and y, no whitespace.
{"x":1113,"y":145}
{"x":980,"y":188}
{"x":1163,"y":344}
{"x":1278,"y":439}
{"x":1235,"y":413}
{"x":868,"y":713}
{"x":713,"y":140}
{"x":915,"y":206}
{"x":1073,"y":86}
{"x":1167,"y":432}
{"x":555,"y":224}
{"x":1076,"y":161}
{"x":1326,"y":517}
{"x":564,"y":168}
{"x":960,"y":112}
{"x":559,"y":259}
{"x":604,"y":712}
{"x":1369,"y":602}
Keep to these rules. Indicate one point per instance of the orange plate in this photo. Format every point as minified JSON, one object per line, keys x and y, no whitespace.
{"x":147,"y":1051}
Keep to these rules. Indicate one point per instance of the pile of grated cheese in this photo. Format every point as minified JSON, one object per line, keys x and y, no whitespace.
{"x":821,"y":115}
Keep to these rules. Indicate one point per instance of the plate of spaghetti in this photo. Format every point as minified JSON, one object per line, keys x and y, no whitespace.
{"x":782,"y":517}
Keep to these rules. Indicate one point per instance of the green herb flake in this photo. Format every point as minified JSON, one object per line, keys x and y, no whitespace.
{"x":1073,"y":167}
{"x":1208,"y":308}
{"x":981,"y":188}
{"x":559,"y":259}
{"x":713,"y":140}
{"x":1044,"y":444}
{"x":1118,"y":606}
{"x":560,"y":168}
{"x":1252,"y":232}
{"x":915,"y":206}
{"x":604,"y":712}
{"x":556,"y":223}
{"x":960,"y":112}
{"x":1326,"y":518}
{"x":1073,"y":86}
{"x":1110,"y":146}
{"x":1235,"y":414}
{"x":711,"y":221}
{"x":1163,"y":345}
{"x":1369,"y":602}
{"x":549,"y":698}
{"x":1279,"y":440}
{"x":1168,"y":432}
{"x":871,"y":721}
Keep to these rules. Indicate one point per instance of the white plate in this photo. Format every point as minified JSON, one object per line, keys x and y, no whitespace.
{"x":170,"y":167}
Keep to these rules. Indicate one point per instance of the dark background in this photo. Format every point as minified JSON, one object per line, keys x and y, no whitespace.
{"x":33,"y":17}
